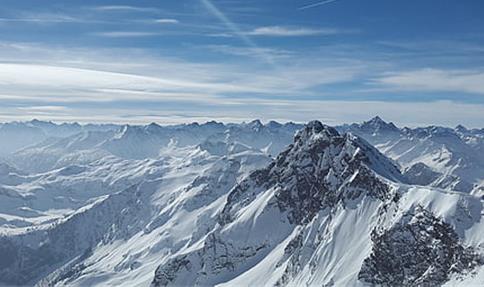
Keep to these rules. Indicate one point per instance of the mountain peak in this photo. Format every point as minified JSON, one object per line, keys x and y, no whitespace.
{"x":36,"y":122}
{"x":274,"y":125}
{"x":461,"y":128}
{"x":256,"y":125}
{"x":320,"y":169}
{"x":378,"y":124}
{"x":315,"y":130}
{"x":377,"y":119}
{"x":153,"y":127}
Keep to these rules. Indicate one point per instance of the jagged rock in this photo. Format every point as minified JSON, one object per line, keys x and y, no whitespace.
{"x":419,"y":250}
{"x":165,"y":274}
{"x":321,"y":169}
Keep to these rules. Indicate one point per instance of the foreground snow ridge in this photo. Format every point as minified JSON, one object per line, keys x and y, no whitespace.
{"x":240,"y":205}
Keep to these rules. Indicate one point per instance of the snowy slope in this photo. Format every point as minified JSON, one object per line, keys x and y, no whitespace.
{"x":442,"y":157}
{"x":112,"y":203}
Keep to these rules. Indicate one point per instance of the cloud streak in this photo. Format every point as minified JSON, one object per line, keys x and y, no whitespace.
{"x":167,"y":21}
{"x":436,"y":80}
{"x":228,"y":23}
{"x":124,"y":8}
{"x":280,"y":31}
{"x":316,"y":4}
{"x":234,"y":28}
{"x":125,"y":34}
{"x":41,"y":18}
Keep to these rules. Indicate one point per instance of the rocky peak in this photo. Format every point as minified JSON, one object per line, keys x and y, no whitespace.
{"x":256,"y":125}
{"x":376,"y":124}
{"x":461,"y":129}
{"x":214,"y":124}
{"x":274,"y":125}
{"x":315,"y":131}
{"x":320,"y":169}
{"x":153,"y":128}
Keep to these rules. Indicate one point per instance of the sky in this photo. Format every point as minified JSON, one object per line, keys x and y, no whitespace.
{"x":414,"y":62}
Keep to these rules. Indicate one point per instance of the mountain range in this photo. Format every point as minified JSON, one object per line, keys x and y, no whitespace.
{"x":246,"y":204}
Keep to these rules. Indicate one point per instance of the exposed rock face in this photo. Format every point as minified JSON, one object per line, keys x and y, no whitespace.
{"x":167,"y":273}
{"x":217,"y":257}
{"x":321,"y":169}
{"x":420,"y":250}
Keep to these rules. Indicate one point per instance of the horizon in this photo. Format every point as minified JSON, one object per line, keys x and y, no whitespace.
{"x":263,"y":122}
{"x":341,"y":61}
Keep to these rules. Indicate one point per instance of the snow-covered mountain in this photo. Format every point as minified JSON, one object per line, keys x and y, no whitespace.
{"x":447,"y":158}
{"x":321,"y":214}
{"x":235,"y":205}
{"x":140,"y":142}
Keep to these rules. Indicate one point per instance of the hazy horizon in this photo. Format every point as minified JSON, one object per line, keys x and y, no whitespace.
{"x":205,"y":121}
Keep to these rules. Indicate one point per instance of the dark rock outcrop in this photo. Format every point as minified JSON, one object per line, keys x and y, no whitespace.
{"x":420,"y":250}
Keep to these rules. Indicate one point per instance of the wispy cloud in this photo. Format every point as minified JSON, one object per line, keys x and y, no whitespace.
{"x":280,"y":31}
{"x":436,"y":80}
{"x":40,"y":18}
{"x":167,"y":21}
{"x":43,"y":108}
{"x":21,"y":80}
{"x":251,"y":52}
{"x":125,"y":8}
{"x":125,"y":34}
{"x":320,"y":3}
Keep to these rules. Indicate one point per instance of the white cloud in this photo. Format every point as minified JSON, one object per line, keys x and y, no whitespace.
{"x":125,"y":34}
{"x":60,"y":83}
{"x":128,"y":8}
{"x":43,"y":108}
{"x":44,"y":18}
{"x":436,"y":80}
{"x":281,"y":31}
{"x":167,"y":21}
{"x":252,"y":52}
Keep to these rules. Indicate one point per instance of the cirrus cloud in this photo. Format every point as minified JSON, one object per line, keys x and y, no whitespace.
{"x":436,"y":80}
{"x":282,"y":31}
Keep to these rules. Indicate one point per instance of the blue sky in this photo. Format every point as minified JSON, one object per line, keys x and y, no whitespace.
{"x":411,"y":62}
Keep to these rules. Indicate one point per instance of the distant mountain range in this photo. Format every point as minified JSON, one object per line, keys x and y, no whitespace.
{"x":248,"y":204}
